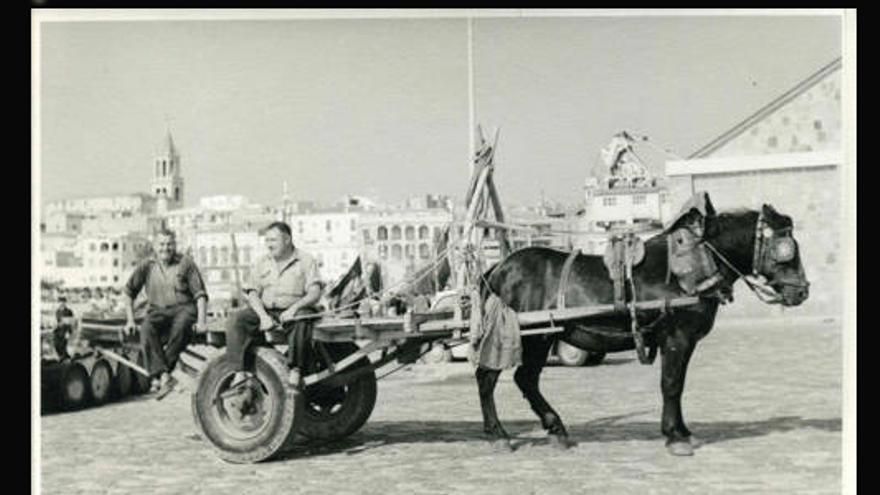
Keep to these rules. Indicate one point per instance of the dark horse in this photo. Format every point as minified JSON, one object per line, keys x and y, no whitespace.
{"x":529,"y":279}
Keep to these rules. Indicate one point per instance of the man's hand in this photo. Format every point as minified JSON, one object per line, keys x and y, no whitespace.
{"x":200,"y":327}
{"x":288,"y":314}
{"x":130,"y":327}
{"x":266,"y":323}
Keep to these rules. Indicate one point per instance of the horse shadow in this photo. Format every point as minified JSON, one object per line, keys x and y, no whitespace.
{"x":528,"y":433}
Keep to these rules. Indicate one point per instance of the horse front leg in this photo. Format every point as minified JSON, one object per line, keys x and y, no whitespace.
{"x":677,"y":349}
{"x":486,"y":381}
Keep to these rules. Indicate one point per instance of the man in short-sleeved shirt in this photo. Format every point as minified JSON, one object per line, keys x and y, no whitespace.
{"x":63,"y":327}
{"x":280,"y":285}
{"x":177,"y":299}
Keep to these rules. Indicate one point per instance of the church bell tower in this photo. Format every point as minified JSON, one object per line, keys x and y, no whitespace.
{"x":167,"y":184}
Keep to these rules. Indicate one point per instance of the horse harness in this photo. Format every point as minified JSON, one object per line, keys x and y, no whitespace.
{"x":624,"y":251}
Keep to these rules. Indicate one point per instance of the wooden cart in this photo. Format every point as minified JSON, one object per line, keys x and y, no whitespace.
{"x":252,"y":416}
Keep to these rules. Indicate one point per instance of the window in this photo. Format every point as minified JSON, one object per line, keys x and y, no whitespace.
{"x":352,"y":225}
{"x":224,"y":255}
{"x":224,"y":275}
{"x":234,"y":256}
{"x":102,"y":262}
{"x":300,"y":226}
{"x":817,"y":124}
{"x":105,"y":246}
{"x":115,"y":278}
{"x":772,"y":141}
{"x":395,"y":233}
{"x":115,"y":246}
{"x":328,"y":225}
{"x":367,"y":236}
{"x":410,"y":232}
{"x":396,"y":252}
{"x":424,"y":251}
{"x":382,"y":233}
{"x":609,"y":201}
{"x":115,"y":262}
{"x":639,"y":199}
{"x":423,"y":232}
{"x":247,"y":254}
{"x":124,"y":247}
{"x":203,"y":255}
{"x":103,"y":278}
{"x":213,"y":255}
{"x":383,"y":251}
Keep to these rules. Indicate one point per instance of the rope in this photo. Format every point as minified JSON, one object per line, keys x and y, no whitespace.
{"x":763,"y":293}
{"x":438,"y":260}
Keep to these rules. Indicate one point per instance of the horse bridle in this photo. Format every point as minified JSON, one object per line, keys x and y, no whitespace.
{"x":781,"y":251}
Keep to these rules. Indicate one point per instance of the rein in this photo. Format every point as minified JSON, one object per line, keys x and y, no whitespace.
{"x":754,"y":281}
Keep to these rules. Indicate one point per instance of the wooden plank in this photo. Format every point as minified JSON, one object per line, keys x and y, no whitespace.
{"x":122,"y":360}
{"x":345,"y":363}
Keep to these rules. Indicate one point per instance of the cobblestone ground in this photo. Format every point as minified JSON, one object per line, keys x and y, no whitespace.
{"x":765,"y":400}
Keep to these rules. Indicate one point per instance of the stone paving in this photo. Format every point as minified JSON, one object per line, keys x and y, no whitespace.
{"x":765,"y":400}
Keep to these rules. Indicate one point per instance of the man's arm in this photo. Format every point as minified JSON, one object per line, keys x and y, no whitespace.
{"x":130,"y":291}
{"x":197,"y":289}
{"x":314,"y":288}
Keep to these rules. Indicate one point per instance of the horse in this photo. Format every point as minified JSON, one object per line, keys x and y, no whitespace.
{"x":742,"y":242}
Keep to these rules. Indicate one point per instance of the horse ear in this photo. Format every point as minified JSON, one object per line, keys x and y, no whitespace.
{"x":710,"y":208}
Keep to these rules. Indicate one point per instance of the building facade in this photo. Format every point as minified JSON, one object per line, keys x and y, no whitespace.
{"x":788,"y":154}
{"x":401,"y":240}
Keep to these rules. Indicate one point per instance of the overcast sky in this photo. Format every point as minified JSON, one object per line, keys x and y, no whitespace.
{"x":380,"y":107}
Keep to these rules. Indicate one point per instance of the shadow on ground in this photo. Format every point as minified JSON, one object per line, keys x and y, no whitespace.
{"x":611,"y":429}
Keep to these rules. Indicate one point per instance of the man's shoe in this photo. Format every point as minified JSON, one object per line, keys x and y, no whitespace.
{"x":166,"y":388}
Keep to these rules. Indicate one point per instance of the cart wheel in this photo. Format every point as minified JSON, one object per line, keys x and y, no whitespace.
{"x":438,"y":354}
{"x":124,"y":380}
{"x":335,"y":413}
{"x":246,"y":416}
{"x":141,"y":382}
{"x":75,"y":387}
{"x":101,"y":381}
{"x":570,"y":355}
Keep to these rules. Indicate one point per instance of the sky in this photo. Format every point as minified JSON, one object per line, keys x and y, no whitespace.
{"x":380,"y":107}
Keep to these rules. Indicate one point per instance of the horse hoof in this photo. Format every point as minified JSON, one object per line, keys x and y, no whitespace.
{"x":695,"y":442}
{"x":560,"y":442}
{"x":680,"y":448}
{"x":502,"y":445}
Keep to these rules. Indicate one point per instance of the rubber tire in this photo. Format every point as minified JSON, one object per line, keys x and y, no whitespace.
{"x":75,"y":389}
{"x":101,"y":382}
{"x":124,"y":381}
{"x":356,"y":408}
{"x":570,"y":355}
{"x":271,"y":370}
{"x":141,"y":382}
{"x":594,"y":358}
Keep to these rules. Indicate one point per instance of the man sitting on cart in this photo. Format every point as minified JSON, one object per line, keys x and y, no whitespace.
{"x":281,"y":285}
{"x":177,"y":299}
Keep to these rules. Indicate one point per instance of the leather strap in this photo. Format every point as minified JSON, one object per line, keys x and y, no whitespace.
{"x":563,"y":278}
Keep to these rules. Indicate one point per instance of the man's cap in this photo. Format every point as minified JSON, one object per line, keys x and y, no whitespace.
{"x":62,"y":299}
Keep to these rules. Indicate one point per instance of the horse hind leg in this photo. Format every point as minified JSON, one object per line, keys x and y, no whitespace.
{"x":527,"y":378}
{"x":486,"y":381}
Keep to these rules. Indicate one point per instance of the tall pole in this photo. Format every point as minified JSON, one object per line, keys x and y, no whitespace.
{"x":471,"y":112}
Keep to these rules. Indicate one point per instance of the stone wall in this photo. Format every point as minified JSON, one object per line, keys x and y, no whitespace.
{"x":811,"y":196}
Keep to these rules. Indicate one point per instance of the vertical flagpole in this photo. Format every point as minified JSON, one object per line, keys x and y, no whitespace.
{"x":471,"y":132}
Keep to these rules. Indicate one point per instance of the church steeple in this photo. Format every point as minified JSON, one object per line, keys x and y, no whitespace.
{"x":167,"y":183}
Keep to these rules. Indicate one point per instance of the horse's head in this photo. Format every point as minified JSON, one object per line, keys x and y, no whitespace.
{"x":777,"y":258}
